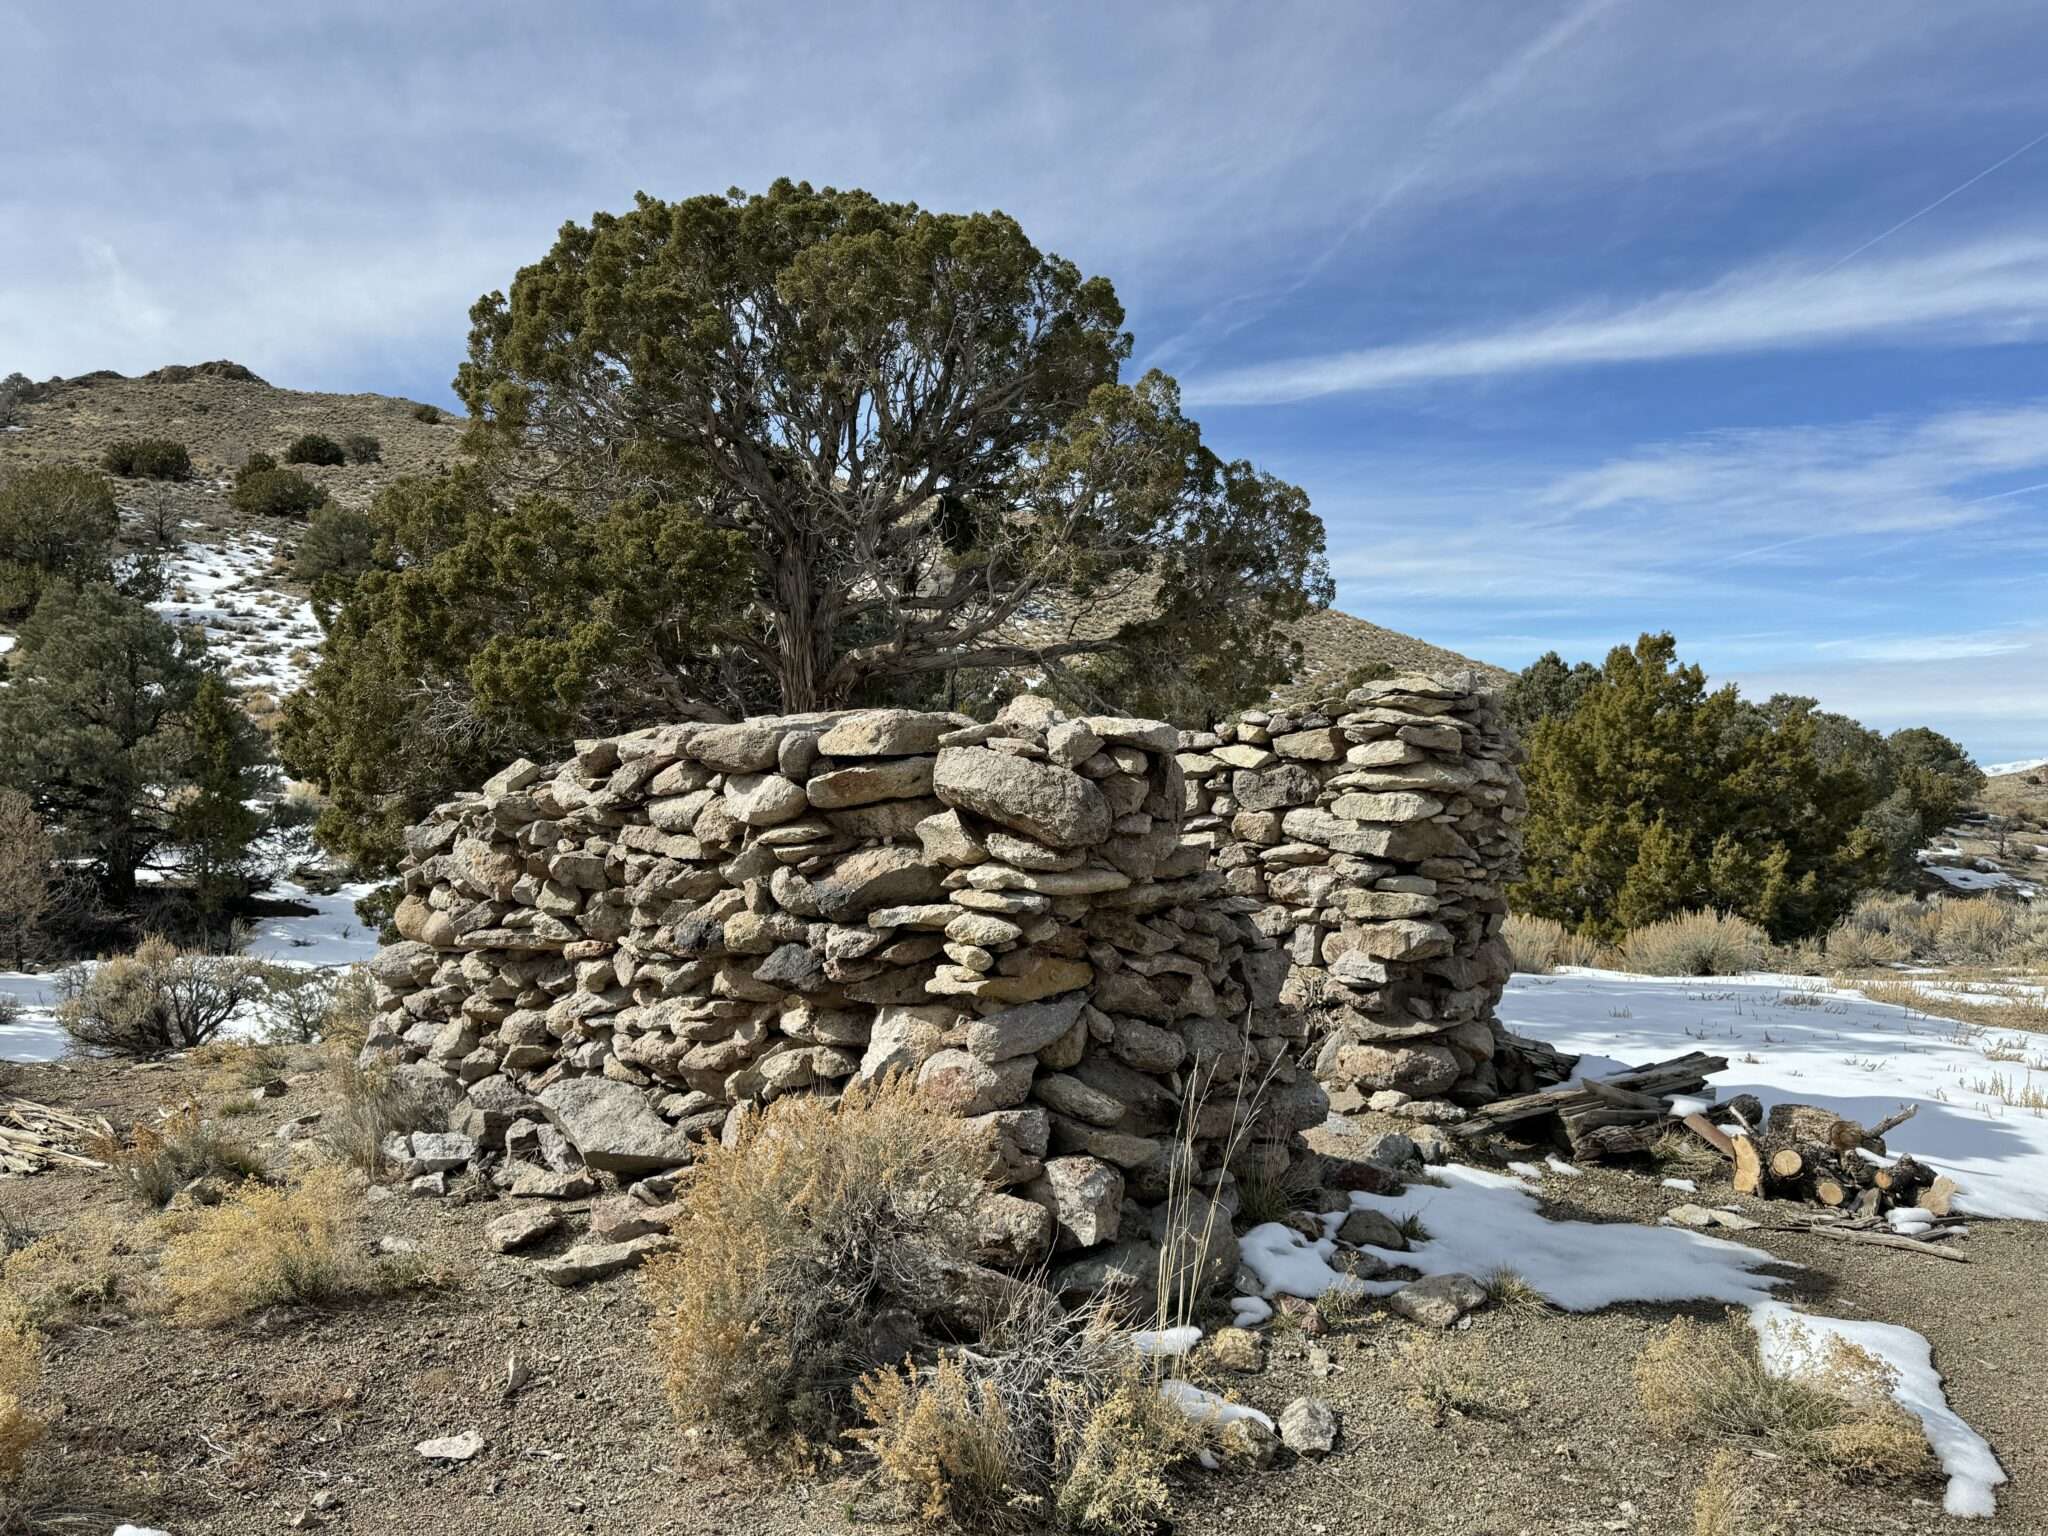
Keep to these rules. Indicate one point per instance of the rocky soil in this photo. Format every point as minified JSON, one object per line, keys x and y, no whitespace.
{"x":310,"y":1418}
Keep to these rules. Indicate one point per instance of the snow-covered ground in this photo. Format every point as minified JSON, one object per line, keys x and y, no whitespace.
{"x":266,"y":639}
{"x":1793,"y":1038}
{"x":2023,"y":765}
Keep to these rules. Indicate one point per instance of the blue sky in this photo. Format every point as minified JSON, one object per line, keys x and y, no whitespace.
{"x":1575,"y":319}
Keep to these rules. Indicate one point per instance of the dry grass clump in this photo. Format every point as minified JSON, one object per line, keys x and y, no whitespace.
{"x":1725,"y":1503}
{"x":1696,"y":944}
{"x":267,"y":1246}
{"x":1885,"y":929}
{"x":810,"y":1248}
{"x":1444,"y":1382}
{"x":1541,"y":944}
{"x":1507,"y":1291}
{"x":1990,"y":1005}
{"x":21,"y":1368}
{"x":74,"y":1275}
{"x":374,"y":1102}
{"x":1708,"y":1380}
{"x":157,"y":1161}
{"x":1051,"y":1414}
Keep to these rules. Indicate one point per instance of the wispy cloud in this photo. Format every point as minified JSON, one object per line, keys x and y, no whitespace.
{"x":1983,"y":292}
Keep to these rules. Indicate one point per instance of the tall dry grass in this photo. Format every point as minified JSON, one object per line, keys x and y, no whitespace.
{"x":1696,"y":944}
{"x":1541,"y":944}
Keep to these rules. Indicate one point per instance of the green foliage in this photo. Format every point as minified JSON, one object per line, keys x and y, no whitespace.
{"x":485,"y":630}
{"x":914,"y":424}
{"x":1547,"y":687}
{"x":148,"y":458}
{"x":213,"y":825}
{"x":1653,"y":796}
{"x":315,"y":448}
{"x":257,"y":460}
{"x":339,"y":545}
{"x":275,"y":492}
{"x":56,"y":522}
{"x":17,"y":392}
{"x":430,"y":414}
{"x":96,"y":727}
{"x":362,"y":448}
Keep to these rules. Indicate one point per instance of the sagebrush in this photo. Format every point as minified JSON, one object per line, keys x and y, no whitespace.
{"x":1696,"y":944}
{"x":157,"y":1000}
{"x":808,"y":1249}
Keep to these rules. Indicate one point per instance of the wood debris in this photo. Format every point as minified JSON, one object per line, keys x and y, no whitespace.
{"x":35,"y":1136}
{"x":1608,"y":1117}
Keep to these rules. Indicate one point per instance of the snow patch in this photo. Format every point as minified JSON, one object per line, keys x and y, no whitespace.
{"x":1207,"y":1408}
{"x":1792,"y":1342}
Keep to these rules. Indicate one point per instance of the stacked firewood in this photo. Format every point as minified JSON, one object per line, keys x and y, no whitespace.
{"x":1804,"y":1152}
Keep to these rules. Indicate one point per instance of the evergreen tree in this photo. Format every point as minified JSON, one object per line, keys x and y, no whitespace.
{"x":1653,"y":795}
{"x":214,"y":826}
{"x":92,"y":726}
{"x":915,"y":425}
{"x":56,"y":522}
{"x":1546,"y":687}
{"x":489,"y":629}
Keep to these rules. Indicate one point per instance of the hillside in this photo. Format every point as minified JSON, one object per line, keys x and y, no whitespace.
{"x":231,"y":573}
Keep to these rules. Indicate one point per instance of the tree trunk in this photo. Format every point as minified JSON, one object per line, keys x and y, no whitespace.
{"x":804,"y":636}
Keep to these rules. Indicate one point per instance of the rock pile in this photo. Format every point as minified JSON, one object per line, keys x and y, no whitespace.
{"x":1376,"y":835}
{"x":617,"y":956}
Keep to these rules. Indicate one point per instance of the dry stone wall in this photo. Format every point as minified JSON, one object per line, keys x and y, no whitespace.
{"x":1377,"y":834}
{"x":1069,"y":929}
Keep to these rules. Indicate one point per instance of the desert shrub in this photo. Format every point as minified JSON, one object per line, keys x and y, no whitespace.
{"x":1708,"y":1380}
{"x":804,"y":1246}
{"x":156,"y":1161}
{"x":1541,"y":944}
{"x":17,"y":392}
{"x":430,"y":414}
{"x":267,"y":1246}
{"x":147,"y":458}
{"x":299,"y":1005}
{"x":1695,"y":944}
{"x":1938,"y":930}
{"x":21,"y":1369}
{"x":255,"y":463}
{"x":155,"y":1001}
{"x":944,"y":1436}
{"x":1115,"y":1455}
{"x":275,"y":493}
{"x":1050,"y":1412}
{"x":374,"y":1103}
{"x":362,"y":448}
{"x":75,"y":1274}
{"x":315,"y":448}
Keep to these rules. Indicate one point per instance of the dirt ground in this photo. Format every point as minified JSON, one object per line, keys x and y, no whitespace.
{"x":241,"y":1429}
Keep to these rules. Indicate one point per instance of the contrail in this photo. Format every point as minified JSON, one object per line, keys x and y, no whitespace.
{"x":1953,"y":191}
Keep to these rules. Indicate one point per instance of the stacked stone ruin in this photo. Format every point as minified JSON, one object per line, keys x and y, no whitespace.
{"x":1102,"y":938}
{"x":1377,"y":835}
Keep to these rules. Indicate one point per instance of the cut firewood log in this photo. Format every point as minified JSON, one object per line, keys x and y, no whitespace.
{"x":1749,"y":1166}
{"x":1938,"y":1196}
{"x":1892,"y":1122}
{"x":1811,"y":1123}
{"x":1831,"y":1191}
{"x":1787,"y":1164}
{"x":1903,"y":1179}
{"x":1745,"y":1109}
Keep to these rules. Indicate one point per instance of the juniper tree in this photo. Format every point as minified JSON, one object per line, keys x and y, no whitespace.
{"x":916,"y":425}
{"x":485,"y":628}
{"x":214,"y":825}
{"x":57,"y":522}
{"x":1653,"y":795}
{"x":93,"y":726}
